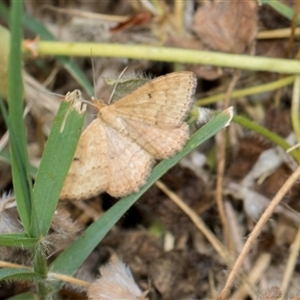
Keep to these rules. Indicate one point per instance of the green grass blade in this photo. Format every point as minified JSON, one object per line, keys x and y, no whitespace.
{"x":24,"y":208}
{"x":70,"y":260}
{"x":19,"y":240}
{"x":271,"y":136}
{"x":55,"y":163}
{"x":19,"y":157}
{"x":5,"y":157}
{"x":4,"y":154}
{"x":281,"y":8}
{"x":18,"y":274}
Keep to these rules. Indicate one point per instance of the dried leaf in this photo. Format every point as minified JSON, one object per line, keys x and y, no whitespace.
{"x":228,"y":26}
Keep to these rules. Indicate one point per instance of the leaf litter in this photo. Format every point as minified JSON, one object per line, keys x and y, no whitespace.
{"x":168,"y":256}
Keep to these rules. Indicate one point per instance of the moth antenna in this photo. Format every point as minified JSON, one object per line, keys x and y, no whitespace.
{"x":116,"y":84}
{"x":88,"y":102}
{"x":93,"y":69}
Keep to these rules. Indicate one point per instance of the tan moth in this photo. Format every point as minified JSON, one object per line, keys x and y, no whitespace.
{"x":117,"y":150}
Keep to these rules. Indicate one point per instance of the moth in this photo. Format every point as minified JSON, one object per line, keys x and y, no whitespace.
{"x":116,"y":152}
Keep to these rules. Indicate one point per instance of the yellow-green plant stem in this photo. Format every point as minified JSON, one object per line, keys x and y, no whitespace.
{"x":248,"y":91}
{"x":244,"y":62}
{"x":295,"y":108}
{"x":267,"y":134}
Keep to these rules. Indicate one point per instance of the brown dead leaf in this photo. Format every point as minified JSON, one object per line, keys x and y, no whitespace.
{"x":228,"y":26}
{"x":139,"y":19}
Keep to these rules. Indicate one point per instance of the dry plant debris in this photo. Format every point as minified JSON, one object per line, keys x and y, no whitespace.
{"x":168,"y":256}
{"x":116,"y":282}
{"x":227,"y":26}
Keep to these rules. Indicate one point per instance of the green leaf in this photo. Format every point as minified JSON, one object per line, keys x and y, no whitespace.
{"x":16,"y":126}
{"x":55,"y":163}
{"x":71,"y":259}
{"x":281,"y":8}
{"x":19,"y":240}
{"x":5,"y":157}
{"x":18,"y":274}
{"x":271,"y":136}
{"x":21,"y":174}
{"x":4,"y":53}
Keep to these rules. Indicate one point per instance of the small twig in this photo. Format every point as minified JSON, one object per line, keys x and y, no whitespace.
{"x":86,"y":14}
{"x":295,"y":108}
{"x":5,"y":264}
{"x":68,"y":279}
{"x":260,"y":266}
{"x":291,"y":263}
{"x":254,"y":90}
{"x":57,"y":276}
{"x":218,"y":246}
{"x":235,"y":231}
{"x":88,"y":211}
{"x":221,"y":145}
{"x":282,"y":33}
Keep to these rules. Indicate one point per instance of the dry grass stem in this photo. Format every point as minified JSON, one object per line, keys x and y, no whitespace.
{"x":291,"y":264}
{"x":257,"y":229}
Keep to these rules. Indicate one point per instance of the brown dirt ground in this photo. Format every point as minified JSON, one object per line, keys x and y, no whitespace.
{"x":168,"y":255}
